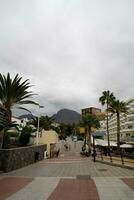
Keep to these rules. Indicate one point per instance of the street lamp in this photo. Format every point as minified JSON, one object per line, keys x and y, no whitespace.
{"x":94,"y":151}
{"x":38,"y":126}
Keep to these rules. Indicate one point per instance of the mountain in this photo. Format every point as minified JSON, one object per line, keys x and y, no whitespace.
{"x":28,"y":116}
{"x":66,"y":116}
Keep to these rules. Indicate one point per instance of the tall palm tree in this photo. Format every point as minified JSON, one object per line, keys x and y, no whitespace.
{"x":117,"y":107}
{"x":45,"y":122}
{"x":89,"y":121}
{"x":106,"y":98}
{"x":14,"y":92}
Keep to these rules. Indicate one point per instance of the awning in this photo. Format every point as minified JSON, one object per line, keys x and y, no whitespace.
{"x":104,"y":143}
{"x":126,"y":146}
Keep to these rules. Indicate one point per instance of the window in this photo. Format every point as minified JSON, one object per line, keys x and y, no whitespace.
{"x":129,"y":127}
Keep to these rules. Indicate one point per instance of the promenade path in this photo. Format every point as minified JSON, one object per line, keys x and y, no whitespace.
{"x":66,"y":178}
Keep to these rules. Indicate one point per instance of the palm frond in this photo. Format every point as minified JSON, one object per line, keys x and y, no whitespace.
{"x":14,"y":91}
{"x":25,"y":109}
{"x":28,"y":102}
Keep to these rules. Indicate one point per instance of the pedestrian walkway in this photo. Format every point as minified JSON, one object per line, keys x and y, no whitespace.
{"x":70,"y":189}
{"x":10,"y":185}
{"x":68,"y":177}
{"x":113,"y":189}
{"x":108,"y":188}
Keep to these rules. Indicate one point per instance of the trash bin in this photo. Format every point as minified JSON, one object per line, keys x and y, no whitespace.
{"x":36,"y":156}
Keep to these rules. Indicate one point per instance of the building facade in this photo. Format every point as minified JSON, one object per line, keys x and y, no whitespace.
{"x":91,"y":110}
{"x":126,"y":125}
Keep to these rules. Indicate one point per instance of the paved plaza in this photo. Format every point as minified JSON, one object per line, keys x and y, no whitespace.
{"x":68,"y":177}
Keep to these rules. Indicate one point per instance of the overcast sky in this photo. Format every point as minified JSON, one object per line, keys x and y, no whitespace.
{"x":71,"y":50}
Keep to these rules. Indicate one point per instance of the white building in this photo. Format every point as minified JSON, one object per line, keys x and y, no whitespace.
{"x":126,"y":125}
{"x":20,"y":122}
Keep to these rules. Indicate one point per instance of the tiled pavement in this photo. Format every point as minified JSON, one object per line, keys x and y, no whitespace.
{"x":111,"y":182}
{"x":10,"y":185}
{"x":39,"y":189}
{"x":108,"y":188}
{"x":71,"y":169}
{"x":113,"y":188}
{"x":70,"y":189}
{"x":129,"y":182}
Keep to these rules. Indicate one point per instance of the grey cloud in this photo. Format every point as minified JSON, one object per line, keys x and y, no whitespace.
{"x":70,"y":50}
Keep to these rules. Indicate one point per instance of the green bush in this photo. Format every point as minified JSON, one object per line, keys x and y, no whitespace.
{"x":6,"y":140}
{"x":25,"y":135}
{"x":24,"y":139}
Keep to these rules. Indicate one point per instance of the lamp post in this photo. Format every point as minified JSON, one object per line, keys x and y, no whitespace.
{"x":38,"y":126}
{"x":94,"y":151}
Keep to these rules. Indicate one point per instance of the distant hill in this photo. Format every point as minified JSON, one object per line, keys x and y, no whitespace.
{"x":66,"y":116}
{"x":28,"y":116}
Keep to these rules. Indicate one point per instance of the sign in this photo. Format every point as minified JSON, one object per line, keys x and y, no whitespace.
{"x":75,"y":139}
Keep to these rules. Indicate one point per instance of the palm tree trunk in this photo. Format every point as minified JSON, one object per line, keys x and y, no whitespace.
{"x":85,"y":137}
{"x":9,"y":116}
{"x":89,"y":139}
{"x":108,"y":129}
{"x":118,"y":131}
{"x":1,"y":138}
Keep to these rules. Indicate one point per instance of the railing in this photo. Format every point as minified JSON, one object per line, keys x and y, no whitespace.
{"x":120,"y":158}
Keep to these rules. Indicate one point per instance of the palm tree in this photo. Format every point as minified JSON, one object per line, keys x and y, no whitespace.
{"x":117,"y":107}
{"x":45,"y":122}
{"x":2,"y":119}
{"x":14,"y":92}
{"x":106,"y":98}
{"x":89,"y":121}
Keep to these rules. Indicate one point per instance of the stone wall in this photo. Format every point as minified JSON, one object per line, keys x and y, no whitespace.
{"x":11,"y":159}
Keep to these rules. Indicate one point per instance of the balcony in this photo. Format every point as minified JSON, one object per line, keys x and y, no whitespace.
{"x":129,"y":123}
{"x":128,"y":130}
{"x":130,"y":116}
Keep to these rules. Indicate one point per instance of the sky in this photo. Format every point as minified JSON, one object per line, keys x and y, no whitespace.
{"x":70,"y":50}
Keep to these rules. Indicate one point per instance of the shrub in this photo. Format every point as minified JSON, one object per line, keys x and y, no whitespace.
{"x":25,"y":135}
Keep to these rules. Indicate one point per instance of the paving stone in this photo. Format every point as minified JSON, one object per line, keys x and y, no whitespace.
{"x":71,"y":169}
{"x":129,"y":182}
{"x":113,"y":188}
{"x":70,"y":189}
{"x":10,"y":185}
{"x":47,"y":174}
{"x":40,"y":189}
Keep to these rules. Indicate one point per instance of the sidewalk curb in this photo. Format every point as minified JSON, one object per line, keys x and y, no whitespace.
{"x":115,"y":164}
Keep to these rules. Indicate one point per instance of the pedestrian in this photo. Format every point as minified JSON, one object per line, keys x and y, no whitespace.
{"x":57,"y":154}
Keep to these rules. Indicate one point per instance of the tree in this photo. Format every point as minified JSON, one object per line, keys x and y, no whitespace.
{"x":45,"y":122}
{"x":25,"y":135}
{"x":106,"y":98}
{"x":65,"y":130}
{"x":2,"y":120}
{"x":14,"y":92}
{"x":117,"y":107}
{"x":90,"y":121}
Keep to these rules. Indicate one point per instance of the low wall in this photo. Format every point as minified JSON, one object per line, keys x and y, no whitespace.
{"x":11,"y":159}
